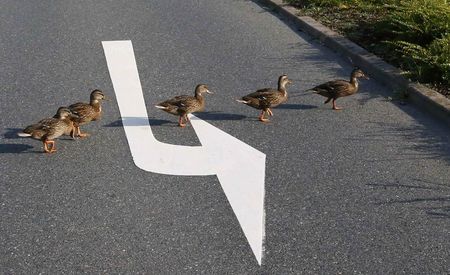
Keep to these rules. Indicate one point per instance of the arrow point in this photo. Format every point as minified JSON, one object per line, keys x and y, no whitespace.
{"x":241,"y":173}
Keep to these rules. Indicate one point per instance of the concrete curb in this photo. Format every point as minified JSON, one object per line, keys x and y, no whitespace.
{"x":421,"y":96}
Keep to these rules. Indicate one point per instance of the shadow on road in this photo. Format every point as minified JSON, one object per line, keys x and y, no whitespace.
{"x":288,"y":106}
{"x":14,"y":148}
{"x":435,"y":206}
{"x":11,"y":133}
{"x":417,"y":141}
{"x":219,"y":116}
{"x":139,"y":121}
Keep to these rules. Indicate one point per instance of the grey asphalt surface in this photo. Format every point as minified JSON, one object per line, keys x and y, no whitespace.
{"x":362,"y":191}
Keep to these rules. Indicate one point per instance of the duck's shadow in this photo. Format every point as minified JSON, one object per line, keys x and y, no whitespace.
{"x":142,"y":121}
{"x":138,"y":121}
{"x":15,"y":148}
{"x":296,"y":107}
{"x":214,"y":116}
{"x":11,"y":133}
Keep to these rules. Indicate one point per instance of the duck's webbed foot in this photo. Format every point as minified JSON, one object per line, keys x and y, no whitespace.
{"x":335,"y":107}
{"x":80,"y":134}
{"x":261,"y":117}
{"x":46,"y":146}
{"x":180,"y":122}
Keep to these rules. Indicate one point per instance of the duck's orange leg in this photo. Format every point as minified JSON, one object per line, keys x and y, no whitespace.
{"x":334,"y":105}
{"x":72,"y":133}
{"x":269,"y":112}
{"x":261,"y":117}
{"x":79,"y":133}
{"x":180,"y":122}
{"x":47,"y":143}
{"x":46,"y":150}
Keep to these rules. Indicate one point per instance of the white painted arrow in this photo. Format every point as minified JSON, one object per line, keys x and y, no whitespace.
{"x":239,"y":167}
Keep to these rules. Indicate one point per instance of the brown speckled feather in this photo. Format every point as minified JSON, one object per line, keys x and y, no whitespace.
{"x":85,"y":112}
{"x":50,"y":128}
{"x":183,"y":104}
{"x":265,"y":98}
{"x":336,"y":89}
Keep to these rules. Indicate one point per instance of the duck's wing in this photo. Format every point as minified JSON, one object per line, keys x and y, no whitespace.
{"x":178,"y":101}
{"x":48,"y":123}
{"x":263,"y":94}
{"x":40,"y":125}
{"x":82,"y":110}
{"x":332,"y":88}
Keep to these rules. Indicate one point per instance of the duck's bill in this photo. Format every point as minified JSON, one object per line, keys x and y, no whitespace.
{"x":209,"y":92}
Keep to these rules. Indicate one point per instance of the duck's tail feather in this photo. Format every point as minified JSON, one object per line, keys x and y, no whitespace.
{"x":161,"y":107}
{"x":22,"y":134}
{"x":310,"y":91}
{"x":242,"y":101}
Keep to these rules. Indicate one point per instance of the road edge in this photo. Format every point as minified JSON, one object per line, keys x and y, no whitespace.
{"x":424,"y":98}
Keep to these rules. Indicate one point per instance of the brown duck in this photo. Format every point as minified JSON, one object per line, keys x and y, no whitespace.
{"x":340,"y":88}
{"x":49,"y":129}
{"x":87,"y":112}
{"x":267,"y":98}
{"x":183,"y":105}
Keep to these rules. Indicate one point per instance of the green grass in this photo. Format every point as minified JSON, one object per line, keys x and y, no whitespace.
{"x":411,"y":34}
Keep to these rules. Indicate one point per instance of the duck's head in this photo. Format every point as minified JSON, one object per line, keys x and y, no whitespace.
{"x":64,"y":112}
{"x":201,"y":89}
{"x":97,"y":96}
{"x":358,"y":73}
{"x":283,"y":80}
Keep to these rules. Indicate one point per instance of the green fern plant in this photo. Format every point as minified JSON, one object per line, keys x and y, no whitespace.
{"x":428,"y":64}
{"x":420,"y":21}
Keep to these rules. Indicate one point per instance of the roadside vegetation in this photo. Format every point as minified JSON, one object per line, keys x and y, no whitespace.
{"x":411,"y":34}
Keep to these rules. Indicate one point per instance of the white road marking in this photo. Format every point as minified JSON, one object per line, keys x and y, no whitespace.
{"x":239,"y":167}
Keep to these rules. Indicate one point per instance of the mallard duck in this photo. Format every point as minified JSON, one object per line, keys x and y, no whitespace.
{"x":267,"y":98}
{"x":183,"y":105}
{"x":49,"y":129}
{"x":87,"y":112}
{"x":340,"y":88}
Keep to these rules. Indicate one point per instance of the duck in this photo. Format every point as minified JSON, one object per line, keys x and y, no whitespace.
{"x":183,"y":105}
{"x":87,"y":112}
{"x":267,"y":98}
{"x":48,"y":129}
{"x":335,"y":89}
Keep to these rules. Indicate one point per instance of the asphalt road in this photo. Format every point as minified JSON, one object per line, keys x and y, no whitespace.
{"x":365,"y":190}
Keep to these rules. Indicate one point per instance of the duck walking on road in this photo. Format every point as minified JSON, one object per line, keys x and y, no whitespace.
{"x":87,"y":112}
{"x":267,"y":98}
{"x":340,"y":88}
{"x":49,"y":129}
{"x":183,"y":105}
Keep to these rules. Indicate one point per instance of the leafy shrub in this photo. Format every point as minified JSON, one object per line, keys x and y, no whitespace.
{"x":313,"y":3}
{"x":418,"y":21}
{"x":417,"y":36}
{"x":428,"y":64}
{"x":338,"y":3}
